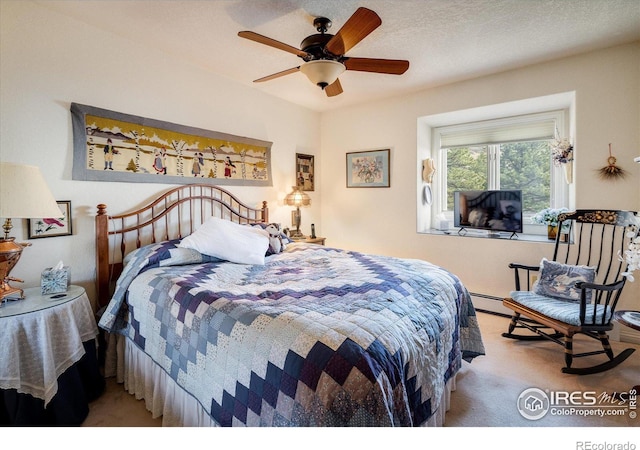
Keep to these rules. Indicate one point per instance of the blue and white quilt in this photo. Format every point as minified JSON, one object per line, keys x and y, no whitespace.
{"x":315,"y":337}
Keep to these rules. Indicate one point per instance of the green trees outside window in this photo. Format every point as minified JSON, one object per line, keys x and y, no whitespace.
{"x":525,"y":166}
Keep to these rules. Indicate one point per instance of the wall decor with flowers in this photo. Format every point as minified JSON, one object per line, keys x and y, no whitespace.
{"x":563,"y":155}
{"x":368,"y":169}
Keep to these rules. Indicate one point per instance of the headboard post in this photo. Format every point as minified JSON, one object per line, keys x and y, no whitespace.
{"x":102,"y":255}
{"x":265,"y":212}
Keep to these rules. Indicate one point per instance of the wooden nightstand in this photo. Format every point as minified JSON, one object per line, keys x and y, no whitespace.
{"x":310,"y":240}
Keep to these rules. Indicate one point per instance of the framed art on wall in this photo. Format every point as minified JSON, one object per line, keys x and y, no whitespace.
{"x":304,"y":172}
{"x":52,"y":226}
{"x":368,"y":169}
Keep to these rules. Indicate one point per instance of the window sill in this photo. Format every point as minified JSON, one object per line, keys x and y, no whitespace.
{"x":481,"y":234}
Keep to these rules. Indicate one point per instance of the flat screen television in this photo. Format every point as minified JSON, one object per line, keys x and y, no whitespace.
{"x":495,"y":211}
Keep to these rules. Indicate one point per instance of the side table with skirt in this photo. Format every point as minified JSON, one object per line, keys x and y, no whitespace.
{"x":48,"y":360}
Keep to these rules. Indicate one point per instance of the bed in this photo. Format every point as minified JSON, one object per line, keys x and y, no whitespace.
{"x":308,"y":336}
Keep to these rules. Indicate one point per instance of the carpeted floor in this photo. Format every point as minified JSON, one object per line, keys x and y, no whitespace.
{"x":487,"y":388}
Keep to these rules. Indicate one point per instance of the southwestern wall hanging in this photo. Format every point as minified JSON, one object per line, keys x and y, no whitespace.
{"x":112,"y":146}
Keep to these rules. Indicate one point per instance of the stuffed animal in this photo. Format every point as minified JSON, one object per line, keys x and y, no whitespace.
{"x":276,"y":245}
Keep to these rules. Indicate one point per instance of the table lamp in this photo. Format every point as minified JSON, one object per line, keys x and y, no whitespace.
{"x":297,"y":198}
{"x":23,"y":194}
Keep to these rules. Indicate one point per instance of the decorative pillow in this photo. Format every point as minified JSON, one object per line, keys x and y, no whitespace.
{"x":559,"y":280}
{"x":229,"y":241}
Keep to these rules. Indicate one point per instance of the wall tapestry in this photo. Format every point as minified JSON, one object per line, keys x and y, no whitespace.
{"x":112,"y":146}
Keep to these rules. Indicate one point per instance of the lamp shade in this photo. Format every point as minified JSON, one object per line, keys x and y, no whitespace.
{"x":24,"y":193}
{"x":297,"y":198}
{"x":322,"y":72}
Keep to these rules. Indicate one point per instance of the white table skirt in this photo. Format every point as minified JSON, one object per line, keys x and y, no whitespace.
{"x":36,"y":347}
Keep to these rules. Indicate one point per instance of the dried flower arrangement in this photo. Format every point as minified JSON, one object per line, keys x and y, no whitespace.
{"x":562,"y":150}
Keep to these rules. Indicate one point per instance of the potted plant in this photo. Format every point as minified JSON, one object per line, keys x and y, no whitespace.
{"x":549,"y":217}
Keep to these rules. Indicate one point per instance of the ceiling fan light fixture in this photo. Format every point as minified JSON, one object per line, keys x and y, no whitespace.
{"x":322,"y":72}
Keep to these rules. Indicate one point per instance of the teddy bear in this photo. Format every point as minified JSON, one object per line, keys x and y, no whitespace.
{"x":276,"y":244}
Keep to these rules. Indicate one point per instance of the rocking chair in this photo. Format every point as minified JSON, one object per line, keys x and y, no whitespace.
{"x":578,"y":290}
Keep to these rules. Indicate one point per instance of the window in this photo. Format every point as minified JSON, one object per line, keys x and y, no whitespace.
{"x":517,"y":165}
{"x":507,"y":153}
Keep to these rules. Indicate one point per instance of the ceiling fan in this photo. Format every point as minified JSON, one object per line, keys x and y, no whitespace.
{"x":324,"y":53}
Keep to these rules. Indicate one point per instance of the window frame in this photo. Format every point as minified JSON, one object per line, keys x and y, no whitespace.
{"x":560,"y":189}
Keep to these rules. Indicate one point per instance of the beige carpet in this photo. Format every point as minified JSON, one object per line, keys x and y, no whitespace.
{"x":487,"y":389}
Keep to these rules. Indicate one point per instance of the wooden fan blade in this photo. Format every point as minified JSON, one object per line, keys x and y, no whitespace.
{"x":334,"y":88}
{"x":277,"y":75}
{"x":389,"y":66}
{"x":359,"y":25}
{"x":272,"y":43}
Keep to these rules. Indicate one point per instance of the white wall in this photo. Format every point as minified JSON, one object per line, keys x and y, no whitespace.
{"x":607,"y":110}
{"x":49,"y":61}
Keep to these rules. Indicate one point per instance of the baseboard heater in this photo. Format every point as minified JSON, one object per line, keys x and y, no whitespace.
{"x":489,"y":304}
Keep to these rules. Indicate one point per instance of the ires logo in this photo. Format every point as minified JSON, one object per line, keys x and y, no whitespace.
{"x":577,"y":398}
{"x":534,"y":403}
{"x":632,"y":399}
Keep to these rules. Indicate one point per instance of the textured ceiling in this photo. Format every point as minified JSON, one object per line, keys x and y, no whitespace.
{"x":444,"y":40}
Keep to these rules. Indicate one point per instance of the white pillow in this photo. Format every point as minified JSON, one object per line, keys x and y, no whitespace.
{"x":229,"y":241}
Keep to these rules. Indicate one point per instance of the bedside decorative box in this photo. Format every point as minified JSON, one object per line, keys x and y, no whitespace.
{"x":54,"y":281}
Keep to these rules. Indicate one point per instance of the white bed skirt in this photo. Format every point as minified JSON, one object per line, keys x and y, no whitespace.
{"x":164,"y":398}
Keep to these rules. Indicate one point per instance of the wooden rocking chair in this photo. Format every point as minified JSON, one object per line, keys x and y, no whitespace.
{"x":578,"y":290}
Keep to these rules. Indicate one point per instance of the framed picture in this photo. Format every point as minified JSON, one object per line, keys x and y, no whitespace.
{"x":52,"y":226}
{"x":304,"y":172}
{"x":368,"y":169}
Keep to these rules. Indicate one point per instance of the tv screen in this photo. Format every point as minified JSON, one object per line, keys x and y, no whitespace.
{"x":488,"y":210}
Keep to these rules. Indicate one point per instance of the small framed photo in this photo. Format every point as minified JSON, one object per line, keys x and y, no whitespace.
{"x":368,"y":169}
{"x":304,"y":172}
{"x":52,"y":226}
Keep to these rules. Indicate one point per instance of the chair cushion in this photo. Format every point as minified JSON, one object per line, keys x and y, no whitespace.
{"x":559,"y":280}
{"x":558,"y":309}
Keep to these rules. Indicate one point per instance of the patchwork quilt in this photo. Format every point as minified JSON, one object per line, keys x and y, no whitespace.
{"x":317,"y":336}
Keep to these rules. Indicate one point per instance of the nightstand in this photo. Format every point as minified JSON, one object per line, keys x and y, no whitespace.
{"x":49,"y":371}
{"x":310,"y":240}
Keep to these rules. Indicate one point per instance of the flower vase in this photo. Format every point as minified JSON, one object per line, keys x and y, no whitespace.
{"x":568,"y":172}
{"x":552,"y":231}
